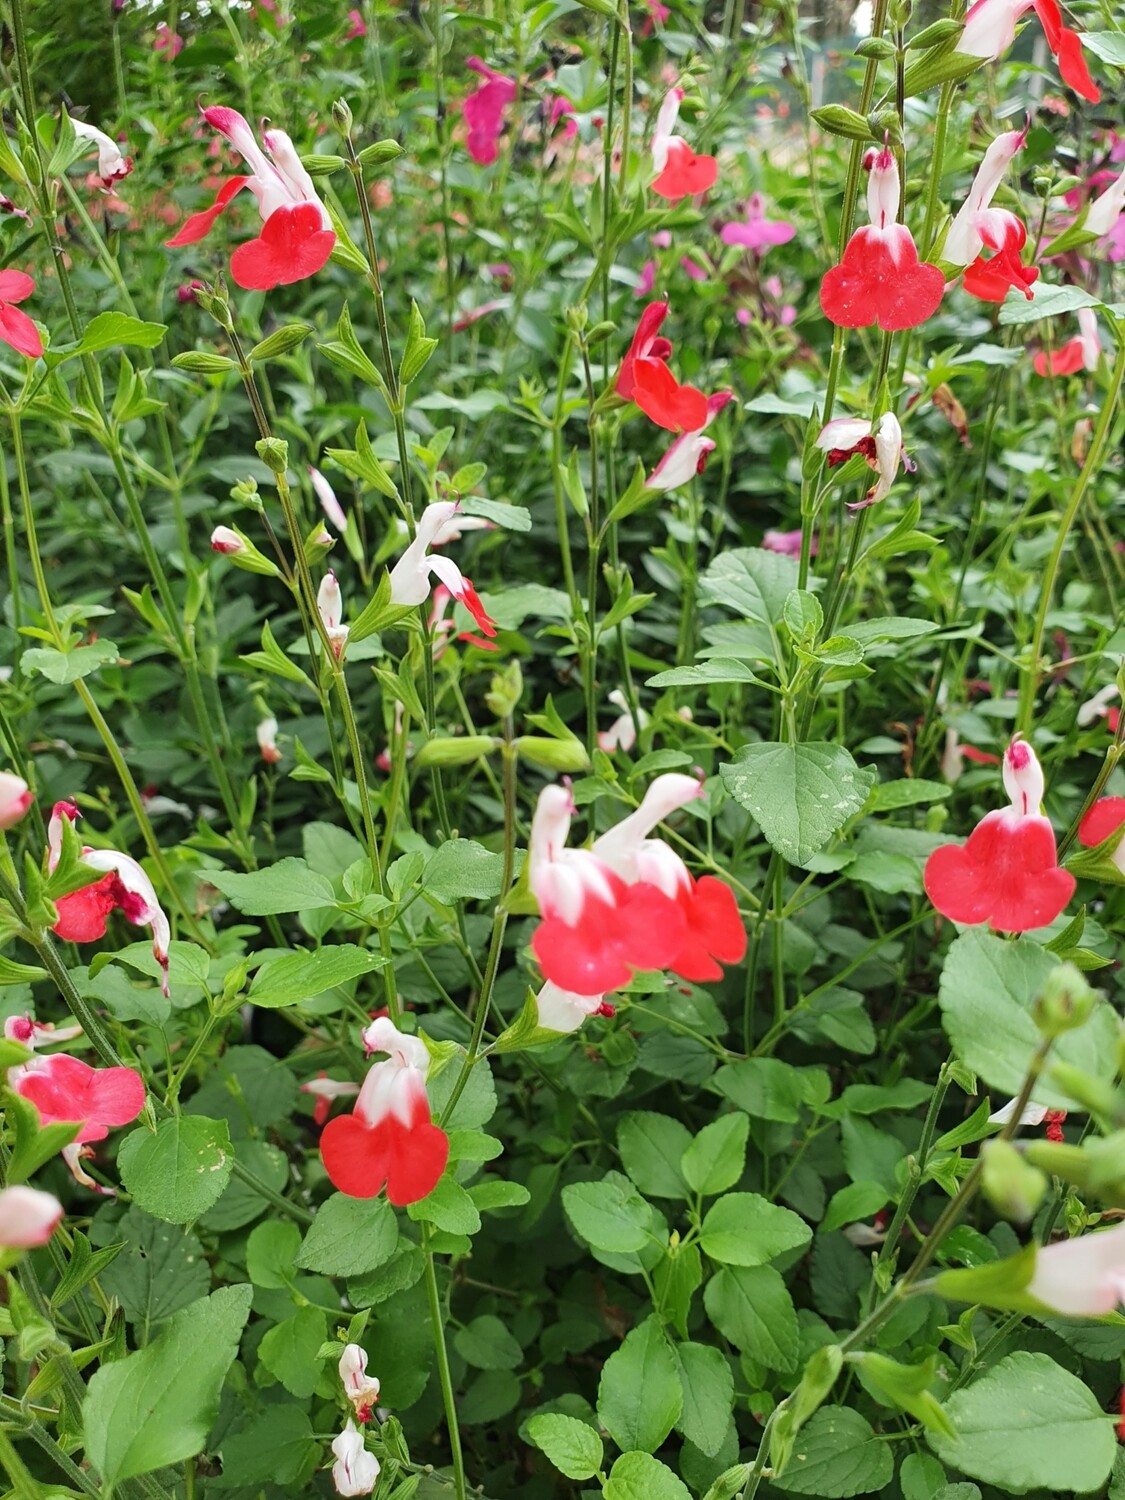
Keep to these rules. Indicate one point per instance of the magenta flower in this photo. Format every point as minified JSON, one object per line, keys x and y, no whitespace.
{"x":356,"y":26}
{"x":648,"y":280}
{"x":756,"y":232}
{"x":788,"y":543}
{"x":484,"y":111}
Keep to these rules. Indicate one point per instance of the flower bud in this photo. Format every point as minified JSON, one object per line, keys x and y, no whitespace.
{"x":226,"y":541}
{"x":15,"y":799}
{"x":241,"y":551}
{"x":361,"y":1389}
{"x":553,"y":755}
{"x":27,"y":1217}
{"x":1014,"y":1187}
{"x":342,"y":116}
{"x":274,"y":453}
{"x":459,"y":750}
{"x":1066,"y":1002}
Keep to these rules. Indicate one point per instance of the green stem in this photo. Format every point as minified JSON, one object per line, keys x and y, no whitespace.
{"x":449,"y":1401}
{"x":23,"y":1482}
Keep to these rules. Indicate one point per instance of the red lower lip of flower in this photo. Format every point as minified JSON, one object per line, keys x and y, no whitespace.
{"x":293,"y":245}
{"x":880,"y":280}
{"x":685,"y":174}
{"x":1006,"y":874}
{"x":1065,"y":361}
{"x":678,"y":408}
{"x":643,"y":930}
{"x":65,"y":1088}
{"x":362,"y":1159}
{"x":715,"y":931}
{"x":1104,"y":818}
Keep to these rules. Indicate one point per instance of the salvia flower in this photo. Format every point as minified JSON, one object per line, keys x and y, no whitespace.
{"x":1104,"y":213}
{"x":756,"y":232}
{"x":1007,"y":873}
{"x":226,"y":541}
{"x":1079,"y":353}
{"x":622,"y":733}
{"x":880,"y":445}
{"x":880,"y":279}
{"x":443,"y":627}
{"x":978,"y":226}
{"x":27,"y":1218}
{"x":324,"y":1091}
{"x":687,"y":456}
{"x":15,"y":799}
{"x":64,"y":1088}
{"x":788,"y":543}
{"x":1033,"y":1114}
{"x":357,"y":27}
{"x":266,"y":734}
{"x":389,"y":1139}
{"x":1100,"y":823}
{"x":1081,"y":1278}
{"x":1100,"y":706}
{"x":112,"y":164}
{"x":361,"y":1389}
{"x":679,"y":172}
{"x":990,"y":30}
{"x":484,"y":111}
{"x":561,"y":1010}
{"x":330,"y":607}
{"x":125,"y":887}
{"x":327,"y":497}
{"x":297,"y":235}
{"x":355,"y":1472}
{"x":16,"y":328}
{"x":412,"y":576}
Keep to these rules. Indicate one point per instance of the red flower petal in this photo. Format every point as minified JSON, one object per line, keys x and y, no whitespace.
{"x":991,"y":280}
{"x":64,"y":1088}
{"x":15,"y":286}
{"x":644,"y":930}
{"x":646,"y":345}
{"x":199,"y":225}
{"x":1065,"y":361}
{"x":1006,"y":874}
{"x":881,"y":280}
{"x":292,"y":245}
{"x":679,"y":408}
{"x":471,"y":600}
{"x":1067,"y":47}
{"x":1105,"y":817}
{"x":409,"y":1160}
{"x":82,"y":914}
{"x":715,"y":931}
{"x":17,"y":329}
{"x":685,"y":173}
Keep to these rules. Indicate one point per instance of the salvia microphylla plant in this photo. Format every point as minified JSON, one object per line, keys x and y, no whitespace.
{"x":560,"y":814}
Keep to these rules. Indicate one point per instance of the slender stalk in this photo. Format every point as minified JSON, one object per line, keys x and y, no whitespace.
{"x":449,"y":1401}
{"x":24,"y":1484}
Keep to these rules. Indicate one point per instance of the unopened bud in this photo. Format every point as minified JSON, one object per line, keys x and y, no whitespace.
{"x":267,"y":741}
{"x":241,"y":551}
{"x":1066,"y":1002}
{"x":15,"y":799}
{"x":577,"y":318}
{"x":505,"y":690}
{"x":224,"y":540}
{"x":553,"y":755}
{"x":274,"y":453}
{"x":456,"y":751}
{"x":1058,"y":1159}
{"x":1023,"y":777}
{"x":342,"y":116}
{"x":245,"y":492}
{"x":1014,"y":1187}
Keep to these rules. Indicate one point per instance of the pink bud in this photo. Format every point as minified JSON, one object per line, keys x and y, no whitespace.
{"x":267,"y":741}
{"x":226,"y":541}
{"x":27,"y":1217}
{"x":1023,"y":777}
{"x":15,"y":799}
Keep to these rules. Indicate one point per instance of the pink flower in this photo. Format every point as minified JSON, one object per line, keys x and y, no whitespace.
{"x":1007,"y":873}
{"x":167,"y":41}
{"x":355,"y":1472}
{"x":657,"y":15}
{"x":83,"y":914}
{"x":693,"y":269}
{"x":27,"y":1218}
{"x":688,"y":454}
{"x":990,"y":29}
{"x":475,"y":314}
{"x":788,"y":543}
{"x":1104,"y":213}
{"x":112,"y":165}
{"x":1081,"y":1278}
{"x":881,"y":446}
{"x":679,"y":172}
{"x":226,"y":541}
{"x":389,"y":1139}
{"x":484,"y":111}
{"x":757,"y":232}
{"x":562,"y":109}
{"x":411,"y":576}
{"x":880,"y":279}
{"x":15,"y":799}
{"x":16,"y":328}
{"x":186,"y":291}
{"x":297,"y":235}
{"x":1080,"y":353}
{"x":361,"y":1389}
{"x":327,"y":497}
{"x":357,"y":27}
{"x":648,"y":280}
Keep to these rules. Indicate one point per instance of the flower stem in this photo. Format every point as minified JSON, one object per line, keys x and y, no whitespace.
{"x":437,"y":1323}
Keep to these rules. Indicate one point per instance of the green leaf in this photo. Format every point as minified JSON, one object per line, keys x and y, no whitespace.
{"x":14,"y":973}
{"x":349,"y":1236}
{"x":109,"y":329}
{"x":849,"y":1205}
{"x":69,"y":666}
{"x":988,"y":987}
{"x":289,"y":885}
{"x":1108,"y":45}
{"x":609,"y":1215}
{"x":889,"y":796}
{"x":639,"y":1476}
{"x":751,"y":1306}
{"x":716,"y":1158}
{"x":249,"y":1088}
{"x":486,"y":1344}
{"x":271,"y":1253}
{"x":650,"y":1146}
{"x":744,"y":1229}
{"x":908,"y":1386}
{"x":572,"y":1446}
{"x":707,"y":1383}
{"x":1046,"y":301}
{"x":799,"y":795}
{"x":177,"y":1172}
{"x":301,"y":975}
{"x":278,"y":1447}
{"x":448,"y":1207}
{"x":462,"y":870}
{"x":676,"y":1279}
{"x":639,"y":1396}
{"x":766,"y":1088}
{"x":752,"y":582}
{"x":499,"y":512}
{"x":1028,"y":1424}
{"x":156,"y":1407}
{"x":290,"y":1350}
{"x":159,"y":1270}
{"x":837,"y":1455}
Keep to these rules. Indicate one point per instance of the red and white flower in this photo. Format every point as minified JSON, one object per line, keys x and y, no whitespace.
{"x":125,"y":887}
{"x":688,"y":455}
{"x":266,"y":734}
{"x":330,"y":607}
{"x":412,"y":576}
{"x":361,"y":1389}
{"x":325,"y":1091}
{"x":112,"y":164}
{"x":355,"y":1472}
{"x":1079,"y":353}
{"x":327,"y":497}
{"x":990,"y":30}
{"x":389,"y":1139}
{"x":297,"y":235}
{"x":28,"y":1218}
{"x":880,"y":279}
{"x":1107,"y":207}
{"x":1100,"y":823}
{"x":679,"y":172}
{"x":563,"y":1011}
{"x":226,"y":541}
{"x":978,"y":226}
{"x":15,"y":799}
{"x":881,"y":446}
{"x":622,"y":733}
{"x":1007,"y":873}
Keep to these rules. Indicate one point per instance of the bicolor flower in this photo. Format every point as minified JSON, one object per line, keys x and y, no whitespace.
{"x":15,"y":799}
{"x":361,"y":1389}
{"x":31,"y":1033}
{"x":1033,"y":1114}
{"x":389,"y":1139}
{"x":226,"y":541}
{"x":125,"y":887}
{"x":1105,"y":211}
{"x":297,"y":235}
{"x":443,"y":627}
{"x":327,"y":497}
{"x":880,"y":445}
{"x":990,"y":29}
{"x":756,"y":232}
{"x":622,"y":733}
{"x":27,"y":1217}
{"x":1100,"y":706}
{"x":266,"y":734}
{"x":412,"y":576}
{"x":167,"y":41}
{"x":330,"y":607}
{"x":112,"y":165}
{"x":355,"y":1472}
{"x":324,"y":1091}
{"x":1100,"y":823}
{"x":978,"y":226}
{"x":1007,"y":873}
{"x":1079,"y":353}
{"x":688,"y":454}
{"x":1081,"y":1278}
{"x":880,"y":279}
{"x":63,"y":1088}
{"x":561,"y":1010}
{"x":679,"y":172}
{"x":484,"y":111}
{"x":16,"y":328}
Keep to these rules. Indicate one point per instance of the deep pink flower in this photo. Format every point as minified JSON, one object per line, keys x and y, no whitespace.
{"x":648,"y":280}
{"x":27,"y":1217}
{"x":356,"y":26}
{"x":756,"y":232}
{"x":167,"y":41}
{"x":788,"y":543}
{"x":484,"y":111}
{"x":562,"y":109}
